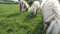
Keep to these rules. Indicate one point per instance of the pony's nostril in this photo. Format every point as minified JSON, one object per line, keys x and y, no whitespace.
{"x":46,"y":25}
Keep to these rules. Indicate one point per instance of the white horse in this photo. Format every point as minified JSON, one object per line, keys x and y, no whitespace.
{"x":23,"y":5}
{"x":51,"y":15}
{"x":34,"y":7}
{"x":32,"y":11}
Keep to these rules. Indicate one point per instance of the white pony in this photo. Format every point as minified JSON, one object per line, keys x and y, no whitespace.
{"x":51,"y":15}
{"x":35,"y":6}
{"x":32,"y":11}
{"x":23,"y":5}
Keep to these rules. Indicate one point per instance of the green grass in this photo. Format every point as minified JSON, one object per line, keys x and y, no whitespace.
{"x":12,"y":22}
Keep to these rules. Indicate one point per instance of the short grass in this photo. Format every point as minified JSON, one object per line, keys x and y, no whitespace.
{"x":12,"y":22}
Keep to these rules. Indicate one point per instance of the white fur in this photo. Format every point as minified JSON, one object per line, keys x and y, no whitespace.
{"x":54,"y":27}
{"x":35,"y":6}
{"x":46,"y":9}
{"x":23,"y":4}
{"x":51,"y":9}
{"x":32,"y":11}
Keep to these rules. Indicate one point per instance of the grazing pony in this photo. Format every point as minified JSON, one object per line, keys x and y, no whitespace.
{"x":23,"y":5}
{"x":51,"y":16}
{"x":34,"y":7}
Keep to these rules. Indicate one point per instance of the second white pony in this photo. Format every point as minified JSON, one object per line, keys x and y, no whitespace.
{"x":34,"y":7}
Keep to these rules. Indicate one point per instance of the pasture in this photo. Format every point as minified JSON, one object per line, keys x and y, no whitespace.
{"x":12,"y":22}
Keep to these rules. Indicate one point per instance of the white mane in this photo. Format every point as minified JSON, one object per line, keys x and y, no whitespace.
{"x":51,"y":14}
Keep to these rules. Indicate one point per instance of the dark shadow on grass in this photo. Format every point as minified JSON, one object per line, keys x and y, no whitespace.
{"x":38,"y":29}
{"x":13,"y":15}
{"x":27,"y":18}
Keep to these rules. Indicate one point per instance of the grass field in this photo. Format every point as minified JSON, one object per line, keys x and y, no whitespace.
{"x":12,"y":22}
